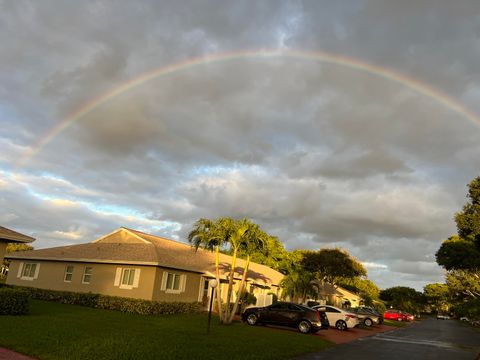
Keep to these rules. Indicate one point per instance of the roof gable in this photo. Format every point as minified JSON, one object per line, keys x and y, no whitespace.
{"x":122,"y":236}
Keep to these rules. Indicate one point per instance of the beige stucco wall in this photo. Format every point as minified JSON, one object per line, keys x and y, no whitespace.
{"x":192,"y":287}
{"x":51,"y":276}
{"x":3,"y":250}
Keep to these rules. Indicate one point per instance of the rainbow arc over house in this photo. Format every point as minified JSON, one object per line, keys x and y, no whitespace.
{"x":324,"y":57}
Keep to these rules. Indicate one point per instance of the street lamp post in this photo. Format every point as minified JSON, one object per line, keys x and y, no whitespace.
{"x":213,"y":284}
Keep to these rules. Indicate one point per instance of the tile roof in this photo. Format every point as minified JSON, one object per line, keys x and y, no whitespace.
{"x":135,"y":247}
{"x":13,"y":236}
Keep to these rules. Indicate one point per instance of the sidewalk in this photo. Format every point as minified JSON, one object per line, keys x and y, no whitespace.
{"x":6,"y":354}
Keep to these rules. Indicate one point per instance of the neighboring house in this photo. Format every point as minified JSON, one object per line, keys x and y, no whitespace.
{"x":337,"y":296}
{"x":133,"y":264}
{"x":349,"y":298}
{"x":10,"y":236}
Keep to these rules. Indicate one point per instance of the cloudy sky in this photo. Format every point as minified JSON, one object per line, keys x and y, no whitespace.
{"x":319,"y":153}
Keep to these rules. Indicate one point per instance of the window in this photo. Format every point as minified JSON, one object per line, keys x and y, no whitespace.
{"x":29,"y":271}
{"x":128,"y":277}
{"x":87,"y":275}
{"x":332,"y":310}
{"x":125,"y":278}
{"x":68,"y":273}
{"x":173,"y":281}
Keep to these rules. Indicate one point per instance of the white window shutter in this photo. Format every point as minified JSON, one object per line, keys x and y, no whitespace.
{"x":20,"y":269}
{"x":37,"y":269}
{"x":118,"y":274}
{"x":183,"y":280}
{"x":164,"y":281}
{"x":136,"y":278}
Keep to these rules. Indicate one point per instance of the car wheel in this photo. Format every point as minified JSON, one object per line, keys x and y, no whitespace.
{"x":341,"y":325}
{"x":304,"y":327}
{"x":368,"y":322}
{"x":252,"y":319}
{"x":399,"y":319}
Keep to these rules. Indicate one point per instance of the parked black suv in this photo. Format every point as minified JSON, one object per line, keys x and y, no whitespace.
{"x":287,"y":314}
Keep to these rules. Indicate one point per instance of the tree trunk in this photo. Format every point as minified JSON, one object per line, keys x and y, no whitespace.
{"x":240,"y":290}
{"x":217,"y":290}
{"x":230,"y":286}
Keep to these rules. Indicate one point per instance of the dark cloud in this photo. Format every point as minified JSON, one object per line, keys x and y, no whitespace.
{"x":318,"y":154}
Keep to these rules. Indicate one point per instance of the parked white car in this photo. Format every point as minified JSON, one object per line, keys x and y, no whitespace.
{"x":339,"y":318}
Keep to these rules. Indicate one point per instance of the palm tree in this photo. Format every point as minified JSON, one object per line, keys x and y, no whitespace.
{"x":298,"y":284}
{"x":236,"y":235}
{"x":253,"y":241}
{"x":208,"y":235}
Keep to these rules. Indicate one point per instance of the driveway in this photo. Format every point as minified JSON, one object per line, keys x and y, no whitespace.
{"x":6,"y":354}
{"x":342,"y":337}
{"x":427,"y":339}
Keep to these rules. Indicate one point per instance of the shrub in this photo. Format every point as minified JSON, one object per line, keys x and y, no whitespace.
{"x":106,"y":302}
{"x":380,"y":307}
{"x":274,"y":297}
{"x":248,"y":298}
{"x":13,"y":301}
{"x":470,"y":309}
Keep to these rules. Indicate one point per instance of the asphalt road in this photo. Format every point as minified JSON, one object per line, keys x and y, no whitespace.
{"x":427,"y":339}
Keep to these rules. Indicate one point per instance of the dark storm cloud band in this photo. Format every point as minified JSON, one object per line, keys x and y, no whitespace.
{"x":336,"y":59}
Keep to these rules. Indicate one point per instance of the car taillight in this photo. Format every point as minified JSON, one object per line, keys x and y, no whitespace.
{"x":351,"y":316}
{"x":318,"y":315}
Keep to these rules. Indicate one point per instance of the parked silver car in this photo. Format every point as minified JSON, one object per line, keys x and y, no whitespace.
{"x":365,"y":317}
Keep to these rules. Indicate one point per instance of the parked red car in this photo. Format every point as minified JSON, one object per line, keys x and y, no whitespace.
{"x":395,"y":315}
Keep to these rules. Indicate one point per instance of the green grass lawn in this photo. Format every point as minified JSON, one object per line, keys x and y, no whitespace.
{"x":58,"y":331}
{"x":395,"y":323}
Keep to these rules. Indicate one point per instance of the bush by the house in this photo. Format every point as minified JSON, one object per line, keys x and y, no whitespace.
{"x":136,"y":306}
{"x":274,"y":297}
{"x":13,"y":301}
{"x":380,"y":307}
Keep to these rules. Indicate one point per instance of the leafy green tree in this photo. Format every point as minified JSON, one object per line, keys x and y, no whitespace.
{"x":463,"y":251}
{"x":458,"y":253}
{"x":403,"y":298}
{"x":365,"y":287}
{"x":437,"y":295}
{"x":298,"y":282}
{"x":468,"y":220}
{"x":14,"y":247}
{"x":332,"y":265}
{"x":463,"y":284}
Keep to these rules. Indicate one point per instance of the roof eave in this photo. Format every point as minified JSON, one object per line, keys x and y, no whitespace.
{"x":7,"y":238}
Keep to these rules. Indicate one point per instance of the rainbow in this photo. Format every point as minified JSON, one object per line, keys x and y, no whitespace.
{"x":336,"y":59}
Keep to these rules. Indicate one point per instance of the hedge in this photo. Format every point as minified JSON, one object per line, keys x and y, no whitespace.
{"x":106,"y":302}
{"x":13,"y":301}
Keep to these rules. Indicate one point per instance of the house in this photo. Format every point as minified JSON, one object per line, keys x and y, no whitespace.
{"x":10,"y":236}
{"x":337,"y":296}
{"x":134,"y":264}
